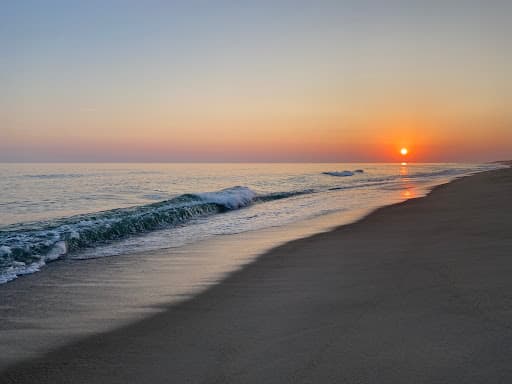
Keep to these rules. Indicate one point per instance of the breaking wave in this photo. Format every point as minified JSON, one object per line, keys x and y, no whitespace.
{"x":24,"y":248}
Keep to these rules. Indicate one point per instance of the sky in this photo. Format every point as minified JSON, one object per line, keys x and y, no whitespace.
{"x":315,"y":80}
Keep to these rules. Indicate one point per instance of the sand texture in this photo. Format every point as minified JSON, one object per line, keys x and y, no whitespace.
{"x":418,"y":292}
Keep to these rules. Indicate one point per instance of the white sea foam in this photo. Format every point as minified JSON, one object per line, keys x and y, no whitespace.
{"x":231,"y":198}
{"x":26,"y":250}
{"x":19,"y":268}
{"x":5,"y":251}
{"x":58,"y":250}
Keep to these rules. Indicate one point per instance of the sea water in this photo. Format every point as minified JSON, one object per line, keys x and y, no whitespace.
{"x":81,"y":211}
{"x":131,"y":239}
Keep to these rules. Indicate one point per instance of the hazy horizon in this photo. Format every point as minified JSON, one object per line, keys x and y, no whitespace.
{"x":249,"y":162}
{"x":301,"y":81}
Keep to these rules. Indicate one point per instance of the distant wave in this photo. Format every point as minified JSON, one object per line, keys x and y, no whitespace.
{"x":339,"y":173}
{"x":444,"y":172}
{"x":77,"y":175}
{"x":54,"y":175}
{"x":284,"y":195}
{"x":343,"y":173}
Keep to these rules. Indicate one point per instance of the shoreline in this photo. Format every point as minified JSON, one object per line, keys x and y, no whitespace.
{"x":281,"y":305}
{"x":96,"y":237}
{"x":73,"y":299}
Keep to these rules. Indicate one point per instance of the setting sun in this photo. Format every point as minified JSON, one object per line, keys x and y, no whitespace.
{"x":247,"y":148}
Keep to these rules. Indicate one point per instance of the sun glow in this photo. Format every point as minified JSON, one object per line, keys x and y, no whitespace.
{"x":404,"y":151}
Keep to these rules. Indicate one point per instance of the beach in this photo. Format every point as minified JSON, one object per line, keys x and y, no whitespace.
{"x":415,"y":292}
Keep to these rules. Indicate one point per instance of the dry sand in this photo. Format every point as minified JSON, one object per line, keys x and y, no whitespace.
{"x":418,"y":292}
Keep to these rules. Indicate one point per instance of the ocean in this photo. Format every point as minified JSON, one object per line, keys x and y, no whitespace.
{"x":87,"y":248}
{"x":84,"y":211}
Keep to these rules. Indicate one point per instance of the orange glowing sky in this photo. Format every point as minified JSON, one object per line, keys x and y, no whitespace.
{"x":260,"y":81}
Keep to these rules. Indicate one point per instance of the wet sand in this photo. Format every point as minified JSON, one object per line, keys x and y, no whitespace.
{"x":416,"y":292}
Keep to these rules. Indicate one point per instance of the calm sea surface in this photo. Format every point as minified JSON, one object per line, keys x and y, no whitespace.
{"x":50,"y":211}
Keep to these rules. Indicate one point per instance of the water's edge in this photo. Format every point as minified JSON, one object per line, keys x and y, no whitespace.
{"x":255,"y":245}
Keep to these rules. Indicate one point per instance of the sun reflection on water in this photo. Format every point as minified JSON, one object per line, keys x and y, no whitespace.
{"x":408,"y":194}
{"x":407,"y":191}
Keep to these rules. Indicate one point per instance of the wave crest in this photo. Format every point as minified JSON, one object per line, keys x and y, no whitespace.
{"x":24,"y":248}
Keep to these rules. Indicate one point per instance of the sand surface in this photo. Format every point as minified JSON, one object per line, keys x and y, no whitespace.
{"x":419,"y":292}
